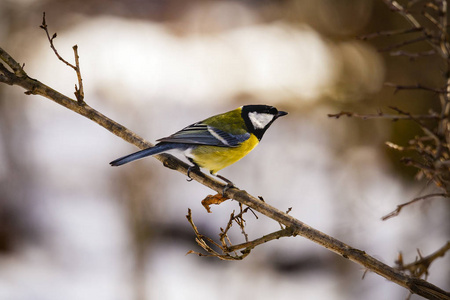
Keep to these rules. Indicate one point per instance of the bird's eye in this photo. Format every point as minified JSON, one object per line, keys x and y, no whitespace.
{"x":273,"y":111}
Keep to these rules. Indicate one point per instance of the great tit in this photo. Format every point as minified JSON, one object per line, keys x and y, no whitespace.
{"x":216,"y":142}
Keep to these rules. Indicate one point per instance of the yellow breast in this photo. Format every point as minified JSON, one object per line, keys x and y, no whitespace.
{"x":216,"y":158}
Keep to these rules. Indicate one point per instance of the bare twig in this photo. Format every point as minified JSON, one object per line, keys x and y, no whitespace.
{"x":50,"y":39}
{"x":412,"y":55}
{"x":430,"y":18}
{"x":286,"y":232}
{"x":203,"y":241}
{"x":388,"y":33}
{"x":396,"y":7}
{"x":404,"y":43}
{"x":401,"y":206}
{"x":382,"y":115}
{"x":79,"y":93}
{"x":425,"y":128}
{"x":414,"y":87}
{"x":227,"y":248}
{"x":421,"y":265}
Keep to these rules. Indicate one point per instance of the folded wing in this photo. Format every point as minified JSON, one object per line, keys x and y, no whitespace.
{"x":202,"y":134}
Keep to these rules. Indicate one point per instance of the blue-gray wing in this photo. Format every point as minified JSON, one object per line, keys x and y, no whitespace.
{"x":202,"y":134}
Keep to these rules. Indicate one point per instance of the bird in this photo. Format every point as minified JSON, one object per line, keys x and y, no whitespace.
{"x":216,"y":142}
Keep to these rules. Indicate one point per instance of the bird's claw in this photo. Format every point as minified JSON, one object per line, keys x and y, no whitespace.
{"x":190,"y":169}
{"x":228,"y":186}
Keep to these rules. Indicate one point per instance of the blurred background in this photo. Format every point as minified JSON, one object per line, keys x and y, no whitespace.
{"x":72,"y":227}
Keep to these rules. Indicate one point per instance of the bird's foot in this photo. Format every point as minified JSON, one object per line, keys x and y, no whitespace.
{"x":190,"y":169}
{"x":228,"y":186}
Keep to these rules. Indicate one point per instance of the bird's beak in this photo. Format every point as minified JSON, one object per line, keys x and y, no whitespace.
{"x":281,"y":113}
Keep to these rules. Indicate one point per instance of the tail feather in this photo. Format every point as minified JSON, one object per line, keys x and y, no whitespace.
{"x":141,"y":154}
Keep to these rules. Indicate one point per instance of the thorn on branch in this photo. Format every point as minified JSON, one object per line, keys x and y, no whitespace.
{"x":421,"y":265}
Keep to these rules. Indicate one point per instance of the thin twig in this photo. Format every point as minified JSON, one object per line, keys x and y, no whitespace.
{"x":421,"y":265}
{"x":382,"y":115}
{"x":396,"y":7}
{"x":412,"y":55}
{"x":414,"y":87}
{"x":203,"y":241}
{"x":404,"y":43}
{"x":79,"y":93}
{"x":388,"y":33}
{"x":396,"y":212}
{"x":425,"y":129}
{"x":50,"y":39}
{"x":286,"y":232}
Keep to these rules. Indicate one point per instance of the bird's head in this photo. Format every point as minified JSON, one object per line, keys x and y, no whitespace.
{"x":258,"y":118}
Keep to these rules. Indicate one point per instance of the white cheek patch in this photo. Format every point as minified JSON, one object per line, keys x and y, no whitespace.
{"x":260,"y":120}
